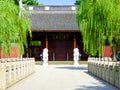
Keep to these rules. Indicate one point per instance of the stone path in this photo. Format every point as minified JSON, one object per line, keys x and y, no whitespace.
{"x":61,"y":77}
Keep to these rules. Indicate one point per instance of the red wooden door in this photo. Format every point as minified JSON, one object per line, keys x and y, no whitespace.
{"x":60,"y":50}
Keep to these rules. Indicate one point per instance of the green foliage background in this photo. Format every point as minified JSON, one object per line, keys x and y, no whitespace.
{"x":99,"y":20}
{"x":14,"y":28}
{"x":27,"y":2}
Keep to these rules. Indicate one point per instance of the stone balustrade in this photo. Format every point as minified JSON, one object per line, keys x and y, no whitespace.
{"x":105,"y":69}
{"x":13,"y":70}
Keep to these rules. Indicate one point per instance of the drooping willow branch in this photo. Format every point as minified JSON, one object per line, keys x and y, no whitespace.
{"x":12,"y":28}
{"x":99,"y":20}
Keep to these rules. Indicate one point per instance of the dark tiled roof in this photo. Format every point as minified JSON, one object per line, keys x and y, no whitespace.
{"x":56,"y":18}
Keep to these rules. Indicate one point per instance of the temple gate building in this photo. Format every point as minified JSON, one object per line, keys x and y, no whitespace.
{"x":55,"y":28}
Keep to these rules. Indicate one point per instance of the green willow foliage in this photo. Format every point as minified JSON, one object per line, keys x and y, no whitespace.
{"x":99,"y":20}
{"x":27,"y":2}
{"x":14,"y":28}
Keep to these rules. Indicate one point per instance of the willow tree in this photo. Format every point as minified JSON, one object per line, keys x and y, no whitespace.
{"x":99,"y":20}
{"x":14,"y":27}
{"x":27,"y":2}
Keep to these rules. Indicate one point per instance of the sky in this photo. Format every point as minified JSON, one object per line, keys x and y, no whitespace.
{"x":57,"y":2}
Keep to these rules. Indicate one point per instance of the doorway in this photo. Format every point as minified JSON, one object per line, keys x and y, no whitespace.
{"x":60,"y":50}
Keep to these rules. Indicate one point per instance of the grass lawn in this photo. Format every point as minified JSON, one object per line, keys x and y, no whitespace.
{"x":60,"y":62}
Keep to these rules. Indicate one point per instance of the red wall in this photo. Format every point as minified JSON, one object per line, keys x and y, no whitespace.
{"x":107,"y":51}
{"x":14,"y":53}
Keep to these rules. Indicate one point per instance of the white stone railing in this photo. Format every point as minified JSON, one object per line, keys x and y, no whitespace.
{"x":105,"y":69}
{"x":13,"y":70}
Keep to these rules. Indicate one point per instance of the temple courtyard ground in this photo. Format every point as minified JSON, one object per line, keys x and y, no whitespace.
{"x":62,"y":77}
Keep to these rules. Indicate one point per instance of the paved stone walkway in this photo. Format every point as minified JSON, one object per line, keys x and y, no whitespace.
{"x":61,"y":77}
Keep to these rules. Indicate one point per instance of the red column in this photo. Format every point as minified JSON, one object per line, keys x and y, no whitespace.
{"x":46,"y":42}
{"x":74,"y":41}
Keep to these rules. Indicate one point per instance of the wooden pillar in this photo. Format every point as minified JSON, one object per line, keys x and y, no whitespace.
{"x":74,"y":41}
{"x":46,"y":42}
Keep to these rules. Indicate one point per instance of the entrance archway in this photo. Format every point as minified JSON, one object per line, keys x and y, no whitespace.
{"x":60,"y":50}
{"x":60,"y":45}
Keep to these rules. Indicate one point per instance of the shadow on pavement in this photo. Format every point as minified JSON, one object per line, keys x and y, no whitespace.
{"x":95,"y":86}
{"x":73,"y":67}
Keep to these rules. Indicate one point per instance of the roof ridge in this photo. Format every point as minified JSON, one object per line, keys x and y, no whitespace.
{"x":53,"y":8}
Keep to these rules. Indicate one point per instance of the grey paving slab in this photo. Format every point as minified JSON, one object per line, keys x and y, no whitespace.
{"x":61,"y":77}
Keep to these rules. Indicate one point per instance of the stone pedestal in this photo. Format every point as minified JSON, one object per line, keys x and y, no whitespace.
{"x":76,"y":63}
{"x":45,"y":63}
